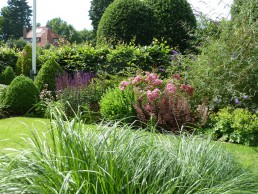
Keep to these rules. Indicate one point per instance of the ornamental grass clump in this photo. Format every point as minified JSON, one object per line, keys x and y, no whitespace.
{"x":164,"y":102}
{"x":71,"y":158}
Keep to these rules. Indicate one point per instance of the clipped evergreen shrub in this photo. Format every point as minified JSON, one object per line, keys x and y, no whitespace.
{"x":125,"y":20}
{"x":21,"y":95}
{"x":24,"y":62}
{"x":7,"y":76}
{"x":175,"y":21}
{"x":47,"y":75}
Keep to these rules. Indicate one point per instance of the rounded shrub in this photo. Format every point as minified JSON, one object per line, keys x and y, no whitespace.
{"x":24,"y":62}
{"x":235,"y":125}
{"x":117,"y":104}
{"x":125,"y":20}
{"x":21,"y":95}
{"x":175,"y":20}
{"x":47,"y":75}
{"x":7,"y":76}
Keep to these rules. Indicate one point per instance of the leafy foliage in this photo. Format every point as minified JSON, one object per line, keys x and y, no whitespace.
{"x":120,"y":23}
{"x":175,"y":21}
{"x":8,"y":57}
{"x":123,"y":57}
{"x":21,"y":95}
{"x":24,"y":62}
{"x":7,"y":76}
{"x":47,"y":75}
{"x":235,"y":125}
{"x":16,"y":15}
{"x":117,"y":104}
{"x":97,"y":8}
{"x":242,"y":8}
{"x":227,"y":68}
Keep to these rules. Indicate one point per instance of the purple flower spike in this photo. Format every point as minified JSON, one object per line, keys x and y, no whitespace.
{"x":237,"y":101}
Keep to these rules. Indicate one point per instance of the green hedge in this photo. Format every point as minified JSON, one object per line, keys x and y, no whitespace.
{"x":113,"y":60}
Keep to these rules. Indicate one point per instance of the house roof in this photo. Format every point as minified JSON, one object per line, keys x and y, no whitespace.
{"x":45,"y":34}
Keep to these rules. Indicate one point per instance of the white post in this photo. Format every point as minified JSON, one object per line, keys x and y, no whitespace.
{"x":34,"y":43}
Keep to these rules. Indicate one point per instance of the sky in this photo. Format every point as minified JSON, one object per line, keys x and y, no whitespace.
{"x":76,"y":12}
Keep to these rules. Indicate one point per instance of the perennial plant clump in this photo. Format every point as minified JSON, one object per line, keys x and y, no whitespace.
{"x":166,"y":102}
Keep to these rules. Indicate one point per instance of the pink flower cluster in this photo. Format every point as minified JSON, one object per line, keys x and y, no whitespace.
{"x":171,"y":88}
{"x":187,"y":88}
{"x":123,"y":85}
{"x":153,"y":79}
{"x":152,"y":95}
{"x":136,"y":80}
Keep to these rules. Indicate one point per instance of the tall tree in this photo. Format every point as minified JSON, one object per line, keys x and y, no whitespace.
{"x":96,"y":11}
{"x":16,"y":15}
{"x":62,"y":28}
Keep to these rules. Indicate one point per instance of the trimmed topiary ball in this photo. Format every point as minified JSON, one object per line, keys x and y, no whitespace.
{"x":7,"y":76}
{"x":175,"y":21}
{"x":125,"y":20}
{"x":21,"y":95}
{"x":24,"y":62}
{"x":47,"y":75}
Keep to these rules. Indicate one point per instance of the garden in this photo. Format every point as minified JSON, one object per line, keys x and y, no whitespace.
{"x":134,"y":111}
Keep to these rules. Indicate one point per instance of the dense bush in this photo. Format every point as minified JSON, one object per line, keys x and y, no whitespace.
{"x":227,"y":68}
{"x":93,"y":59}
{"x":162,"y":102}
{"x":21,"y":95}
{"x":24,"y":62}
{"x":107,"y":159}
{"x":7,"y":76}
{"x":125,"y":20}
{"x":8,"y":57}
{"x":235,"y":125}
{"x":117,"y":104}
{"x":175,"y":22}
{"x":47,"y":75}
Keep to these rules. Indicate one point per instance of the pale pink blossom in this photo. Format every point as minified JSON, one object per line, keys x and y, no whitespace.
{"x":171,"y":88}
{"x":188,"y":89}
{"x":152,"y":95}
{"x":151,"y":77}
{"x":157,"y":82}
{"x":123,"y":85}
{"x":136,"y":79}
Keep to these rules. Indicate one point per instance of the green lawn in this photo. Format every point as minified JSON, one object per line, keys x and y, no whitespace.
{"x":12,"y":129}
{"x":248,"y":156}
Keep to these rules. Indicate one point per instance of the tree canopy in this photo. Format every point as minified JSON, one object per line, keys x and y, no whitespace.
{"x":15,"y":16}
{"x":96,"y":11}
{"x":62,"y":28}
